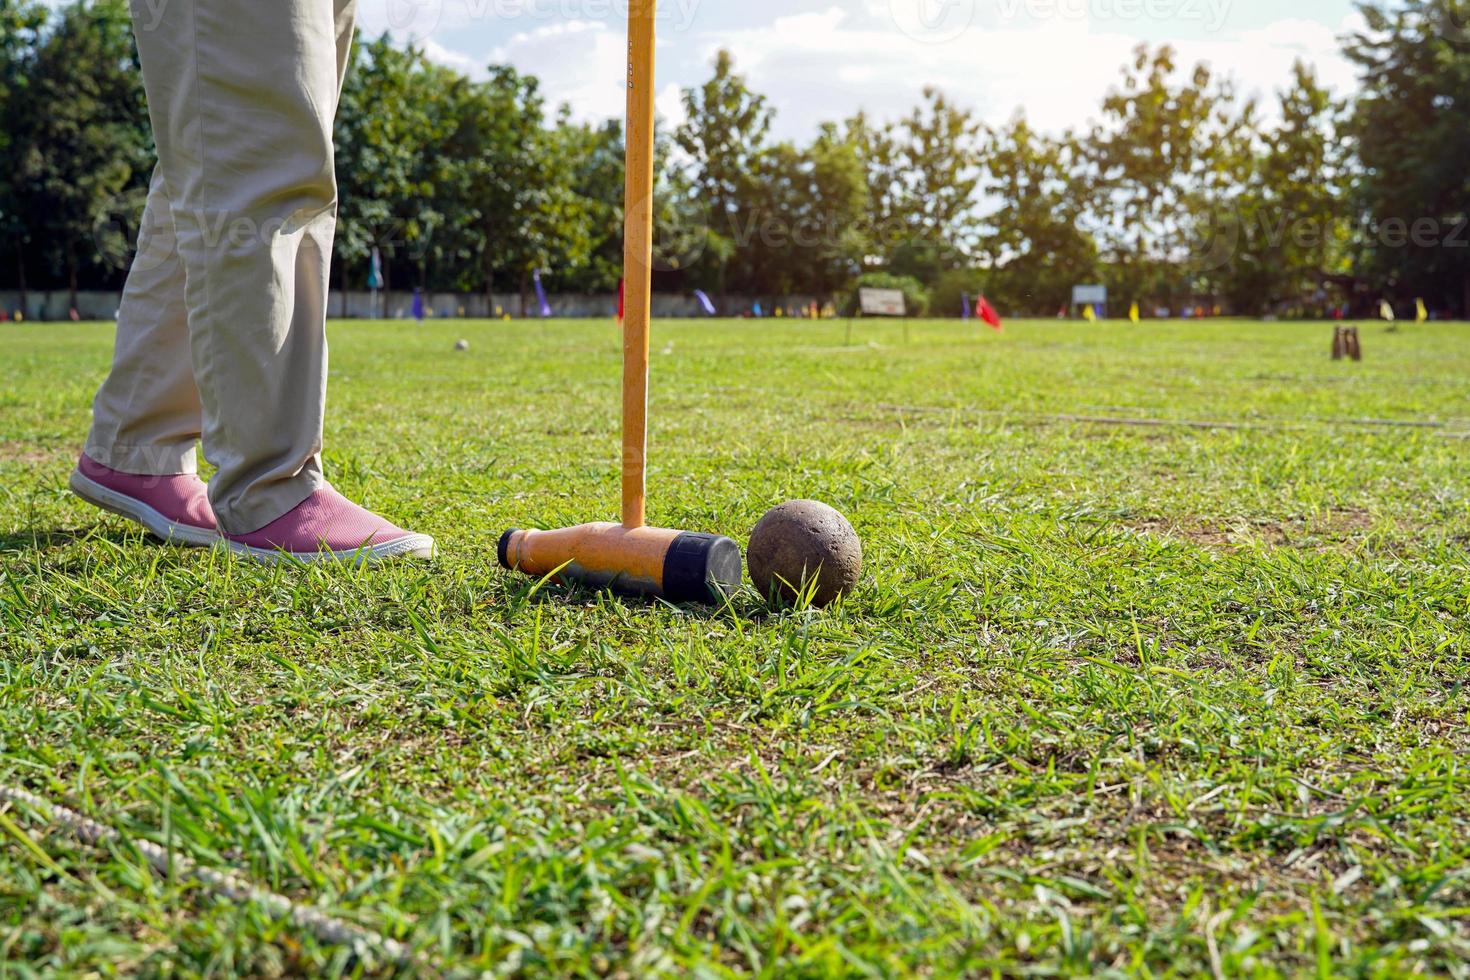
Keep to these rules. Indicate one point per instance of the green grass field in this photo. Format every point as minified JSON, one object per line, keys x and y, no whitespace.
{"x":1159,"y":665}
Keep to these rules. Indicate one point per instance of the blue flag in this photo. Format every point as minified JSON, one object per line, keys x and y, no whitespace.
{"x":375,"y":270}
{"x":541,"y":293}
{"x":709,"y":308}
{"x":964,"y":306}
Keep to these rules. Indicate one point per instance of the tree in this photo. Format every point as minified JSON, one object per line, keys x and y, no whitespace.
{"x":1035,"y":243}
{"x":1409,"y":125}
{"x":1181,"y":192}
{"x":941,"y":154}
{"x":958,"y":289}
{"x":460,"y":181}
{"x":595,"y":154}
{"x":21,"y":23}
{"x":878,"y":154}
{"x":389,"y":121}
{"x":829,"y":229}
{"x":923,"y":173}
{"x":1291,"y":228}
{"x":801,"y":214}
{"x":78,"y":132}
{"x":688,"y":252}
{"x":1166,"y":164}
{"x":723,"y":138}
{"x":518,"y":182}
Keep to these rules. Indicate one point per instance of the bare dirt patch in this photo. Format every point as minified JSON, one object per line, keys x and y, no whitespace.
{"x":29,"y":453}
{"x":1337,"y":528}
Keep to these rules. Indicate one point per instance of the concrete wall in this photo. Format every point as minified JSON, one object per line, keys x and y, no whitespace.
{"x":55,"y":305}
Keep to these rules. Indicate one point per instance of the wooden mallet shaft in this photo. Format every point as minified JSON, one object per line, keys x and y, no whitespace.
{"x":637,"y":257}
{"x":680,"y":566}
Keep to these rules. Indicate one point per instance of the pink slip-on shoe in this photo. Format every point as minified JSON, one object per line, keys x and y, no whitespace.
{"x":327,"y":525}
{"x":175,"y":508}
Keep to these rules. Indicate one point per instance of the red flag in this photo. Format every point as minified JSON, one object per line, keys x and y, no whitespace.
{"x":621,"y":283}
{"x":986,"y":312}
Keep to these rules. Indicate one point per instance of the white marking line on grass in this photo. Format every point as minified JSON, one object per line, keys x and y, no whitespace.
{"x":853,"y":349}
{"x":1438,"y":428}
{"x":225,"y":884}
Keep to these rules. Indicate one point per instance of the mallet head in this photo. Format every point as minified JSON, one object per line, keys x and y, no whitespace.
{"x":679,"y":566}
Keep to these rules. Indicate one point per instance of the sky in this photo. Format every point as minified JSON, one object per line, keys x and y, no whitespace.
{"x":820,"y":60}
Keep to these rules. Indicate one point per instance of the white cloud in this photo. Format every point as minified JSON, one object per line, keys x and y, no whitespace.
{"x":557,"y":30}
{"x":459,"y":61}
{"x":581,"y":64}
{"x":670,"y":104}
{"x":823,"y":66}
{"x":584,"y":64}
{"x":819,"y":60}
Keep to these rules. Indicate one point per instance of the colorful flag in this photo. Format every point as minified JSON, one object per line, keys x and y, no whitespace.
{"x":541,"y":293}
{"x":621,"y":298}
{"x":1134,"y":313}
{"x":1089,"y":314}
{"x":1385,"y":310}
{"x":704,"y":302}
{"x":986,"y":312}
{"x":964,"y":306}
{"x":1421,"y":311}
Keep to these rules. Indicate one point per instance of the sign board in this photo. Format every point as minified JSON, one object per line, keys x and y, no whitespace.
{"x":882,"y":302}
{"x":1089,"y":296}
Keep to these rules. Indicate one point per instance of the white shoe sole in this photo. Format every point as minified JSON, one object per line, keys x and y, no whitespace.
{"x":412,"y":546}
{"x":133,"y":509}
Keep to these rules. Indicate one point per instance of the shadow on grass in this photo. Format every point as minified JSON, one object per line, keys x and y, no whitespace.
{"x":36,"y":540}
{"x":743,"y":606}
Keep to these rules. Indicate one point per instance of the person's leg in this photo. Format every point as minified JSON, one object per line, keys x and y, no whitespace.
{"x":139,"y":455}
{"x":242,"y":98}
{"x":146,"y":416}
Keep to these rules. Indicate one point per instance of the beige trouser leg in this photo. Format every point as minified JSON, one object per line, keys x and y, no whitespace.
{"x":242,"y":97}
{"x":146,"y":417}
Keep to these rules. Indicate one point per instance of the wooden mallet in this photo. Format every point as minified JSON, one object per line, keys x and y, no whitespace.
{"x":680,"y":566}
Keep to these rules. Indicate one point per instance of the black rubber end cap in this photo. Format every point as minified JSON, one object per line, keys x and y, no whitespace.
{"x":701,"y":568}
{"x":502,"y":550}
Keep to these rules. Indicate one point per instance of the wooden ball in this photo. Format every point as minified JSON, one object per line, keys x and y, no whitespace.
{"x":801,"y":541}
